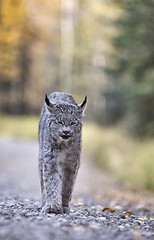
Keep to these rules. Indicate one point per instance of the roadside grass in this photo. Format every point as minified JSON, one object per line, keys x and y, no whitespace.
{"x":19,"y":126}
{"x":131,"y":161}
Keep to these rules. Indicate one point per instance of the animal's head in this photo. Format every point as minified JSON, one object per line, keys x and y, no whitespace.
{"x":66,"y":119}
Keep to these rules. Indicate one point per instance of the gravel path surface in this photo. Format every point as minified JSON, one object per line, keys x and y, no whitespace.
{"x":100,"y":209}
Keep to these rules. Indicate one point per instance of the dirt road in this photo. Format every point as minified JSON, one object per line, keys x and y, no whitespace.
{"x":100,"y":209}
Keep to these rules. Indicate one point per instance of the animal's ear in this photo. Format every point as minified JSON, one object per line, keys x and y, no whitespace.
{"x":82,"y":106}
{"x":49,"y":105}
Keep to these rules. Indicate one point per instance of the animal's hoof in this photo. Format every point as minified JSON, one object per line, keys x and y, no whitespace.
{"x":52,"y":209}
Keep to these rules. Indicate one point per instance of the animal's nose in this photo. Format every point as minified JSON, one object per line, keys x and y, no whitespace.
{"x":66,"y":131}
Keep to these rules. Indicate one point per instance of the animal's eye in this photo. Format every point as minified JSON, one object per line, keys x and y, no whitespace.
{"x":60,"y":122}
{"x":72,"y":123}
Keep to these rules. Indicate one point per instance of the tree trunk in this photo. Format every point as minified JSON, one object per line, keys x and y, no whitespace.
{"x":67,"y":43}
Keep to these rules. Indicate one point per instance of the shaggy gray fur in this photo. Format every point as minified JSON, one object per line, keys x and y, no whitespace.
{"x":59,"y":150}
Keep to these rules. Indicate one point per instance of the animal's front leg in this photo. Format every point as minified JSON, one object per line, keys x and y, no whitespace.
{"x":52,"y":187}
{"x":67,"y":188}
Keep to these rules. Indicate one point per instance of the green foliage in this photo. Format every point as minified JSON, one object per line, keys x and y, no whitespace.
{"x":140,"y":114}
{"x":141,"y":167}
{"x":115,"y":106}
{"x":133,"y":65}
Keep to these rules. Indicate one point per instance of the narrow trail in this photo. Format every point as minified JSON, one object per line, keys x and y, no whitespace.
{"x":100,"y":208}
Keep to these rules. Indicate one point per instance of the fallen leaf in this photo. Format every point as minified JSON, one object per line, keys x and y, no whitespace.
{"x":113,"y":221}
{"x":138,"y":226}
{"x":109,"y":210}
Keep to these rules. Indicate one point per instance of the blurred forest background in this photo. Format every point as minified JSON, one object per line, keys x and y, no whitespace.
{"x":100,"y":48}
